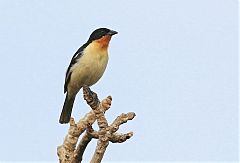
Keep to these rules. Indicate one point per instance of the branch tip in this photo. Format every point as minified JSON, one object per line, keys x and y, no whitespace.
{"x":72,"y":122}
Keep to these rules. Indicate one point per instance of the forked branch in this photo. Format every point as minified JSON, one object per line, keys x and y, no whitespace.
{"x":71,"y":152}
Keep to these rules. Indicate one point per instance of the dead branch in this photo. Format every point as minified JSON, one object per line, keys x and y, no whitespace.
{"x":68,"y":153}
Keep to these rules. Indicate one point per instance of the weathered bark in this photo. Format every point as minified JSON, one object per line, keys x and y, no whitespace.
{"x":68,"y":153}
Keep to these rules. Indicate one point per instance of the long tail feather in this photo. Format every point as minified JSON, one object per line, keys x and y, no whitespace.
{"x":67,"y":110}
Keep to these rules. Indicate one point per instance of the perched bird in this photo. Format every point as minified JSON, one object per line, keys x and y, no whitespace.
{"x":86,"y":68}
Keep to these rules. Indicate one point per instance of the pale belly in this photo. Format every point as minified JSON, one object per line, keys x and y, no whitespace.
{"x":87,"y":72}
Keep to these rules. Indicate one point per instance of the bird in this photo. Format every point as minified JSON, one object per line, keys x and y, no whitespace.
{"x":86,"y":68}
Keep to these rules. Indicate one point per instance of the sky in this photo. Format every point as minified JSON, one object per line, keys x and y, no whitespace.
{"x":173,"y":62}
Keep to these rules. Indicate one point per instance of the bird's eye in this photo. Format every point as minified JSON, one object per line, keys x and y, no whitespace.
{"x":102,"y":33}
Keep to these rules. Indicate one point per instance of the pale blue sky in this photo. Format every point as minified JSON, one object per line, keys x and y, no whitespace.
{"x":174,"y":63}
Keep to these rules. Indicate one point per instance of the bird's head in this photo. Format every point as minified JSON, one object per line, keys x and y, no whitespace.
{"x":102,"y":36}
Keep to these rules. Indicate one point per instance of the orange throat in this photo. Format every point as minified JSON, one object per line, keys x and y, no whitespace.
{"x":104,"y":42}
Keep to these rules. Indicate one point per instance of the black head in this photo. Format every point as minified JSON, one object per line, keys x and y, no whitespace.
{"x":100,"y":32}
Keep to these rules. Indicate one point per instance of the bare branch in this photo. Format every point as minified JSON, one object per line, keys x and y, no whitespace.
{"x":119,"y":138}
{"x":123,"y":118}
{"x":78,"y":153}
{"x":68,"y":153}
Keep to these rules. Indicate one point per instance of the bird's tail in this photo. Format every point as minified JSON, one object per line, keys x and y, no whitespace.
{"x":67,"y":110}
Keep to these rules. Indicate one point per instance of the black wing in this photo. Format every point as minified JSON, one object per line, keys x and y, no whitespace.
{"x":74,"y":60}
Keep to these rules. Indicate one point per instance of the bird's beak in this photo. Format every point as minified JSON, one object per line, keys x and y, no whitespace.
{"x":112,"y":32}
